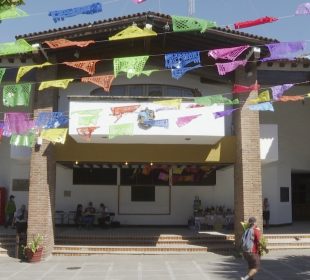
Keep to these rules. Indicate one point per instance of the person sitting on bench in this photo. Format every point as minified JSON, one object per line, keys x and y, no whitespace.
{"x":104,"y":219}
{"x":89,"y":215}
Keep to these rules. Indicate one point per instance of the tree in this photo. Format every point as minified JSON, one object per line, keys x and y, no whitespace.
{"x":11,"y":2}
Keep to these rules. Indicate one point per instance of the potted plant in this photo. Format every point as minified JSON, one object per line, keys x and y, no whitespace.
{"x":33,"y":250}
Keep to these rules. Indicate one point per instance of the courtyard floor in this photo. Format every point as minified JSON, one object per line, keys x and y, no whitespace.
{"x":286,"y":265}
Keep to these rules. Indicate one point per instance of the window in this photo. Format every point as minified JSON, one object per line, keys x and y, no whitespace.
{"x":94,"y":176}
{"x":20,"y":185}
{"x":143,"y":193}
{"x":136,"y":90}
{"x":146,"y":90}
{"x":145,"y":175}
{"x":284,"y":194}
{"x":193,"y":176}
{"x":155,"y":91}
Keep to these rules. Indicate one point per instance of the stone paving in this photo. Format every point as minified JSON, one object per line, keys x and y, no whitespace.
{"x":286,"y":265}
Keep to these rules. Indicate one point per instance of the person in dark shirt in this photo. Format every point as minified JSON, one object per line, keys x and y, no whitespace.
{"x":89,"y":215}
{"x":78,"y":219}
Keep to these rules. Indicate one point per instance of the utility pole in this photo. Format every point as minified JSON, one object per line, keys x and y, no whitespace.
{"x":191,"y":8}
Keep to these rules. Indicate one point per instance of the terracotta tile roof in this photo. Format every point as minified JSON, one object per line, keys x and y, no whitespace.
{"x":117,"y":23}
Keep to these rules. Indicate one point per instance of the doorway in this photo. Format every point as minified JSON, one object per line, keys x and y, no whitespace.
{"x":301,"y":196}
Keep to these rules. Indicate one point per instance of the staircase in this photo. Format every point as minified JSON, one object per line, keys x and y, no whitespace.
{"x":85,"y":244}
{"x":288,"y":241}
{"x":7,"y":244}
{"x":163,"y":244}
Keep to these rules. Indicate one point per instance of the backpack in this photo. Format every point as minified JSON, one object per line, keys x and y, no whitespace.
{"x":247,"y":240}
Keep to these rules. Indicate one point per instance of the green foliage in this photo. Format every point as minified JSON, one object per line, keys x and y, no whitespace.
{"x":11,"y":2}
{"x":35,"y":244}
{"x":263,"y":246}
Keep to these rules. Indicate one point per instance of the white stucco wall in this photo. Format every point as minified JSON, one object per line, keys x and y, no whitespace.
{"x":182,"y":198}
{"x":13,"y":169}
{"x":294,"y":154}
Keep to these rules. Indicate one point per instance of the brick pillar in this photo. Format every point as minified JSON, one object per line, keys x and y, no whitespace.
{"x":43,"y":174}
{"x":247,"y":174}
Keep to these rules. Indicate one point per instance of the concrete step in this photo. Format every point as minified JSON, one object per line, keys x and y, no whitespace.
{"x":63,"y":250}
{"x":3,"y":252}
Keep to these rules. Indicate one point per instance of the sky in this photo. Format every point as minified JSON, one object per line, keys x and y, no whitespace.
{"x":223,"y":12}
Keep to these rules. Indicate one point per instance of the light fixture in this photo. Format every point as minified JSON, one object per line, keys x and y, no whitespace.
{"x":149,"y":26}
{"x":167,"y":27}
{"x":151,"y":164}
{"x":126,"y":163}
{"x":76,"y":162}
{"x":257,"y":52}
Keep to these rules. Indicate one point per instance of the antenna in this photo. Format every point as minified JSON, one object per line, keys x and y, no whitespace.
{"x":191,"y":8}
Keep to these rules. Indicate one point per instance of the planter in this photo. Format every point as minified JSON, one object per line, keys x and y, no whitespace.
{"x":33,"y":257}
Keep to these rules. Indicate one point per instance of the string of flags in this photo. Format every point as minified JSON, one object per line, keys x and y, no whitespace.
{"x":179,"y":63}
{"x":52,"y":126}
{"x":179,"y":23}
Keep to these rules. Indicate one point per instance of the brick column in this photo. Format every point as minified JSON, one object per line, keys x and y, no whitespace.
{"x":247,"y":174}
{"x":43,"y":174}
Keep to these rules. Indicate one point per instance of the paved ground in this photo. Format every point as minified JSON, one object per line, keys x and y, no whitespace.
{"x":286,"y":265}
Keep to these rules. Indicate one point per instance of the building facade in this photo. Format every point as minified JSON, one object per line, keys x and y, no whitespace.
{"x":243,"y":157}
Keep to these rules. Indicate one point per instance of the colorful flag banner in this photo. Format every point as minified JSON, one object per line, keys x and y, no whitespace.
{"x":221,"y":114}
{"x":133,"y":32}
{"x":262,"y":97}
{"x":88,"y":118}
{"x":194,"y":106}
{"x":182,"y":62}
{"x":181,"y":24}
{"x":291,"y":98}
{"x":163,"y":176}
{"x":120,"y":130}
{"x":284,"y":50}
{"x":228,"y":53}
{"x":177,"y":170}
{"x":259,"y":21}
{"x":59,"y":15}
{"x":182,"y":121}
{"x":88,"y":66}
{"x":224,"y":68}
{"x":56,"y":83}
{"x":303,"y":9}
{"x":103,"y":81}
{"x":215,"y":99}
{"x":138,"y":1}
{"x":64,"y":43}
{"x":149,"y":72}
{"x":16,"y":95}
{"x":47,"y":120}
{"x":181,"y":59}
{"x":55,"y":135}
{"x":158,"y":123}
{"x":24,"y":140}
{"x":265,"y":106}
{"x":277,"y":91}
{"x":118,"y":112}
{"x":17,"y":123}
{"x":179,"y":73}
{"x":25,"y":69}
{"x":243,"y":89}
{"x":19,"y":46}
{"x":2,"y":72}
{"x":133,"y":66}
{"x":170,"y":103}
{"x":1,"y":130}
{"x":7,"y":12}
{"x":86,"y":132}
